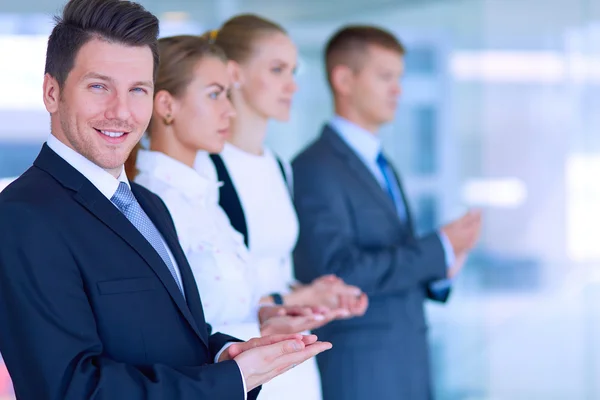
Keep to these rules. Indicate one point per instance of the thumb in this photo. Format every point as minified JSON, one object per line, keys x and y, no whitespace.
{"x":234,"y":350}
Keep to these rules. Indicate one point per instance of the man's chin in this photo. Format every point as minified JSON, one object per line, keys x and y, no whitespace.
{"x":114,"y":166}
{"x":386,"y":119}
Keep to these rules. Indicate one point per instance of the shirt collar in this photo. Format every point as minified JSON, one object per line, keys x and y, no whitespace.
{"x":175,"y":174}
{"x":363,"y":142}
{"x":99,"y":177}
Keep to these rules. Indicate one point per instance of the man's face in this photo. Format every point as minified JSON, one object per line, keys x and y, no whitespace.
{"x":376,"y":87}
{"x":105,"y":104}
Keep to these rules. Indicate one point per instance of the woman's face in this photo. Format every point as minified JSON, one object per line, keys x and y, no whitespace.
{"x":204,"y":112}
{"x":268,"y":83}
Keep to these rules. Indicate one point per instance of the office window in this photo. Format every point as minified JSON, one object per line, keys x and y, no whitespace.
{"x":421,"y":60}
{"x":16,"y":158}
{"x":424,"y":155}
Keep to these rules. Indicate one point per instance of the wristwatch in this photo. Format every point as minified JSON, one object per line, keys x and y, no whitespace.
{"x":277,"y":299}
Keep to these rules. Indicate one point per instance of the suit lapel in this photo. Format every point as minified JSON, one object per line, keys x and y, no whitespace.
{"x":194,"y":305}
{"x":359,"y":169}
{"x":97,"y":204}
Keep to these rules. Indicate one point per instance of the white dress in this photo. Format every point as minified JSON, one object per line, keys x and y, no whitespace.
{"x":272,"y":227}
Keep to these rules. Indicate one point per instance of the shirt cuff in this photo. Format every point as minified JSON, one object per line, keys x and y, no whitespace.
{"x":448,"y":250}
{"x":241,"y":373}
{"x":450,"y":258}
{"x":440,"y":286}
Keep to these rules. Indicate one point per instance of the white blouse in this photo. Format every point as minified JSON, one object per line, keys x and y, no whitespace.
{"x":270,"y":215}
{"x":214,"y":249}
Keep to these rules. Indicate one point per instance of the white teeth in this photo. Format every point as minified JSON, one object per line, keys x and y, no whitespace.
{"x":113,"y":134}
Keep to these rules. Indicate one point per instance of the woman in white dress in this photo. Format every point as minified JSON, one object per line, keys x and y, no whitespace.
{"x":256,"y":192}
{"x":192,"y":113}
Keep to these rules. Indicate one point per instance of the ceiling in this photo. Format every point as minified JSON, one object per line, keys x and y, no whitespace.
{"x":211,"y":11}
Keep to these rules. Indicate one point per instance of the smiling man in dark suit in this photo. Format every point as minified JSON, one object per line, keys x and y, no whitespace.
{"x":355,"y":222}
{"x":97,"y":300}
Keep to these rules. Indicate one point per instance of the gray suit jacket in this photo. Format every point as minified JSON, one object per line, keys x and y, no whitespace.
{"x":350,"y":227}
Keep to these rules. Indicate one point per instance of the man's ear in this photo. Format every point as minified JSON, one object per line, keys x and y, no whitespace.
{"x":51,"y":93}
{"x":342,"y":79}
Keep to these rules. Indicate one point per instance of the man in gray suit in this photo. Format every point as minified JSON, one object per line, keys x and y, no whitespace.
{"x":355,"y":223}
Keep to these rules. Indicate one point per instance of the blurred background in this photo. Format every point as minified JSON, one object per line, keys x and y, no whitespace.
{"x":500,"y":110}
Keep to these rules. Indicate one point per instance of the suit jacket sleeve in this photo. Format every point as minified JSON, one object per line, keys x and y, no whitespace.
{"x":49,"y":336}
{"x":328,"y":244}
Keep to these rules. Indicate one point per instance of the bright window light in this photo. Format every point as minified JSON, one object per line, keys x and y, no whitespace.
{"x":4,"y":182}
{"x":582,"y":207}
{"x":22,"y":71}
{"x":500,"y":193}
{"x":540,"y":67}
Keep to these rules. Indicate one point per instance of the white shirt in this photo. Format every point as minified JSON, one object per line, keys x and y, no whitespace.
{"x":108,"y":185}
{"x":365,"y":144}
{"x":215,"y":250}
{"x":270,"y":216}
{"x":100,"y":178}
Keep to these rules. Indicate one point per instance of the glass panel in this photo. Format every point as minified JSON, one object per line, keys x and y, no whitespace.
{"x":15,"y":158}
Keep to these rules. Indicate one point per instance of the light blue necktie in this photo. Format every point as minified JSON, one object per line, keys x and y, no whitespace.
{"x":126,"y":202}
{"x":392,"y":187}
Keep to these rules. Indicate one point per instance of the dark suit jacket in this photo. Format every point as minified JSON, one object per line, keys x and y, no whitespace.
{"x":350,"y":227}
{"x":88,"y":309}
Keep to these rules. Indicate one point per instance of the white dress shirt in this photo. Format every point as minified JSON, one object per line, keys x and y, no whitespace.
{"x":100,"y":178}
{"x":107,"y":185}
{"x":367,"y":147}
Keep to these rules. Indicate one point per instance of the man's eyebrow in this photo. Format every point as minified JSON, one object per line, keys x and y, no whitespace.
{"x":95,"y":75}
{"x":148,"y":84}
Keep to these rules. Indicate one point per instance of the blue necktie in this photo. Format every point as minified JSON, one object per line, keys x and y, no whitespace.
{"x":391,"y":186}
{"x":126,"y":202}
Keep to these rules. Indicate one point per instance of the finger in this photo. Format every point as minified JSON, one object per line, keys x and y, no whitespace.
{"x":361,"y":306}
{"x":346,"y":301}
{"x":474,"y":216}
{"x":309,"y":339}
{"x":320,"y":309}
{"x":238,"y":348}
{"x":317,"y":323}
{"x":331,"y":278}
{"x":285,"y":360}
{"x":340,"y":313}
{"x":301,"y":324}
{"x":346,"y":290}
{"x":273,"y":351}
{"x":267,"y":312}
{"x":294,"y":311}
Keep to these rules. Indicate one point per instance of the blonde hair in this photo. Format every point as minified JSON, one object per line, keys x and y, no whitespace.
{"x":238,"y":35}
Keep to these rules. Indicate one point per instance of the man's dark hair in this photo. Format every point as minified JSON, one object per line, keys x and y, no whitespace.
{"x":349,"y":45}
{"x":117,"y":21}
